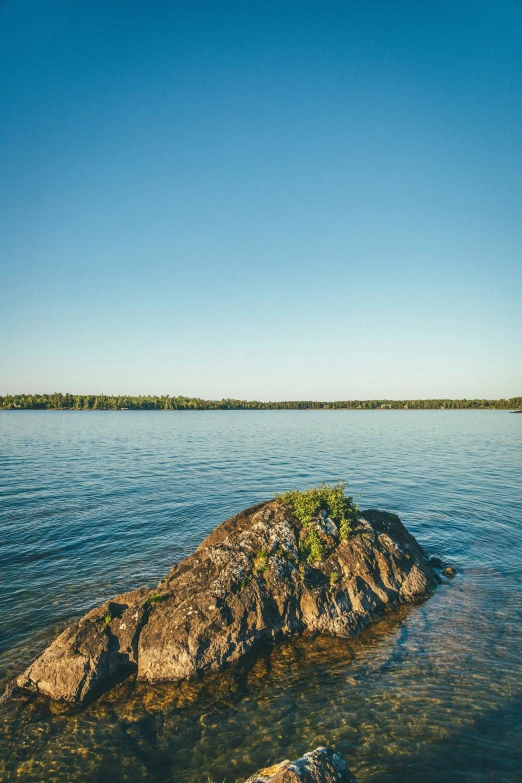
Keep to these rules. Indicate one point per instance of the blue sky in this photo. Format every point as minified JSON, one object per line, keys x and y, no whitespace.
{"x":268,"y":200}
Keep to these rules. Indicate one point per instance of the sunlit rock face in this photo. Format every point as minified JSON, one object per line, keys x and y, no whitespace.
{"x":247,"y":584}
{"x":320,"y":766}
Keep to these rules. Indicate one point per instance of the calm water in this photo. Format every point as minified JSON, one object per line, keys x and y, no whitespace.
{"x":96,"y":503}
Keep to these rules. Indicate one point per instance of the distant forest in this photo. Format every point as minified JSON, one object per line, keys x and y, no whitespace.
{"x":98,"y":402}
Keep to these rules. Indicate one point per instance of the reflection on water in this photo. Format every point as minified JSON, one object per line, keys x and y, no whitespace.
{"x":431,"y":692}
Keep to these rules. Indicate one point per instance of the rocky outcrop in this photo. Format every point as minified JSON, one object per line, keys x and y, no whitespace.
{"x":248,"y":583}
{"x":320,"y":766}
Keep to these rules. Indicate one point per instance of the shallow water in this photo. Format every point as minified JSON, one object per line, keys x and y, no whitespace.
{"x":92,"y":503}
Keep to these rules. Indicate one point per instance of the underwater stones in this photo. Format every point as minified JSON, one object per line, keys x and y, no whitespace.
{"x":322,"y":765}
{"x":246,"y":585}
{"x":436,"y":562}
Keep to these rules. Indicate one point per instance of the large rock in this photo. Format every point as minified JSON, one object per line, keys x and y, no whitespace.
{"x":247,"y":584}
{"x":320,"y":766}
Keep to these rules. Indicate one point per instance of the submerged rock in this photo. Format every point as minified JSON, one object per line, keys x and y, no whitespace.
{"x":245,"y":585}
{"x":320,"y":766}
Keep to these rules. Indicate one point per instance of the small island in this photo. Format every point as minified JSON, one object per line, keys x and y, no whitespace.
{"x":305,"y":562}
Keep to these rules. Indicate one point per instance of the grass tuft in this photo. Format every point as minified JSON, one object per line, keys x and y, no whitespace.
{"x":325,"y":498}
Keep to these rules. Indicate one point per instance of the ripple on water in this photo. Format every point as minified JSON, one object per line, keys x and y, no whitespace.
{"x":95,"y":503}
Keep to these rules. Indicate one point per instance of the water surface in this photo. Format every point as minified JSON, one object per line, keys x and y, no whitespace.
{"x":94,"y":503}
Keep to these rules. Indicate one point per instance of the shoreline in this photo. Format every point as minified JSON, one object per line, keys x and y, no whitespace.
{"x":251,"y":410}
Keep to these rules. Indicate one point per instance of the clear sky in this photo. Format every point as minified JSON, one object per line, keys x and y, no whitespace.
{"x":271,"y":200}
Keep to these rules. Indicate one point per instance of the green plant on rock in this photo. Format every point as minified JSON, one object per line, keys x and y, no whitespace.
{"x":317,"y":549}
{"x":154,"y":599}
{"x":304,"y":548}
{"x":345,"y":528}
{"x":286,"y":554}
{"x":324,"y":498}
{"x":107,"y":619}
{"x":311,"y":548}
{"x":261,"y":561}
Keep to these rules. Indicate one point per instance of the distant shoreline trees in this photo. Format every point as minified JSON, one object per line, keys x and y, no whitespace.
{"x":58,"y":401}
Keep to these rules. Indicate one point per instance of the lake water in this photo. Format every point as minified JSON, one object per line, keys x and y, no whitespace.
{"x":94,"y":503}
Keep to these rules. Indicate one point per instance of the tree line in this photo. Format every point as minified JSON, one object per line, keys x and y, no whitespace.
{"x":58,"y":401}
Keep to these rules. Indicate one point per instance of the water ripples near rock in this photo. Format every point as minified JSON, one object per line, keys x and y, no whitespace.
{"x":94,"y":503}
